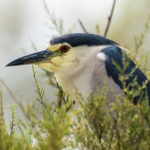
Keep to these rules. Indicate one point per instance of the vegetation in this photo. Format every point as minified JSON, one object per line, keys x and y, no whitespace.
{"x":93,"y":124}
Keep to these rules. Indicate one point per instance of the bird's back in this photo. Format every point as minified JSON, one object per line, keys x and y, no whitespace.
{"x":124,"y":72}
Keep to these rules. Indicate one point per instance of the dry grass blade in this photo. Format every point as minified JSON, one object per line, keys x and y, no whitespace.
{"x":14,"y":97}
{"x":10,"y":92}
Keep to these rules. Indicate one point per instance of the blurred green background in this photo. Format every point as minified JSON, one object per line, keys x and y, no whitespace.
{"x":23,"y":22}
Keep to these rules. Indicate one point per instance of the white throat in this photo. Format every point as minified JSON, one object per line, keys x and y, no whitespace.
{"x":79,"y":79}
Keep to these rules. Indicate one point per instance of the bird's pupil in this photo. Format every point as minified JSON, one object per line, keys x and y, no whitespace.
{"x":64,"y":49}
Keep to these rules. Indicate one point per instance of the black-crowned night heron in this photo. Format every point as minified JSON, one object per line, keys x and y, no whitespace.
{"x":86,"y":62}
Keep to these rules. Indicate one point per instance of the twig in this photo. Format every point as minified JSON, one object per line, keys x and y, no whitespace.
{"x":12,"y":123}
{"x":138,"y":40}
{"x":57,"y":24}
{"x":109,"y":19}
{"x":1,"y":106}
{"x":39,"y":91}
{"x":82,"y":26}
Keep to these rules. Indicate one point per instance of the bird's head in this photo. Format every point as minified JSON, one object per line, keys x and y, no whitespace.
{"x":64,"y":53}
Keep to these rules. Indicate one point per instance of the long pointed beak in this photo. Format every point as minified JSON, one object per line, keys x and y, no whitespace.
{"x":32,"y":58}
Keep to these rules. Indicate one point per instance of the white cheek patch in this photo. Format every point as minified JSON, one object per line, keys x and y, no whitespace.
{"x":101,"y":56}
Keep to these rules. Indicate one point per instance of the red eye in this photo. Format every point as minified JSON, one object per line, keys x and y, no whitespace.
{"x":64,"y":49}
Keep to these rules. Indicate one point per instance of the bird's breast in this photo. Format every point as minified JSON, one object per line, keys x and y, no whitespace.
{"x":72,"y":85}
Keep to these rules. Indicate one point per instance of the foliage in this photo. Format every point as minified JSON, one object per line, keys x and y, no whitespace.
{"x":92,"y":124}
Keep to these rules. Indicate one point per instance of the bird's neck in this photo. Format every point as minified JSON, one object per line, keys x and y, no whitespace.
{"x":80,"y":81}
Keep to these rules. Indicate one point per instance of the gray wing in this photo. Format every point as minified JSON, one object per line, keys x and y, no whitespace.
{"x":115,"y":69}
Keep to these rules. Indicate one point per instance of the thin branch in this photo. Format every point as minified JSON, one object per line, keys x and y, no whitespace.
{"x":139,"y":40}
{"x":109,"y":19}
{"x":12,"y":123}
{"x":82,"y":26}
{"x":1,"y":106}
{"x":57,"y":24}
{"x":39,"y":91}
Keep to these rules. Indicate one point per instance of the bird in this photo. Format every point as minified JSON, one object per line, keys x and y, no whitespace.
{"x":85,"y":63}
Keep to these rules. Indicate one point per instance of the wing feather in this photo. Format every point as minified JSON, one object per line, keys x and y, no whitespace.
{"x":119,"y":65}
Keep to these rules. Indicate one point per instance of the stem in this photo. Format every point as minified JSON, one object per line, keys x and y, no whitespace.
{"x":109,"y":19}
{"x":39,"y":91}
{"x":82,"y":26}
{"x":1,"y":106}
